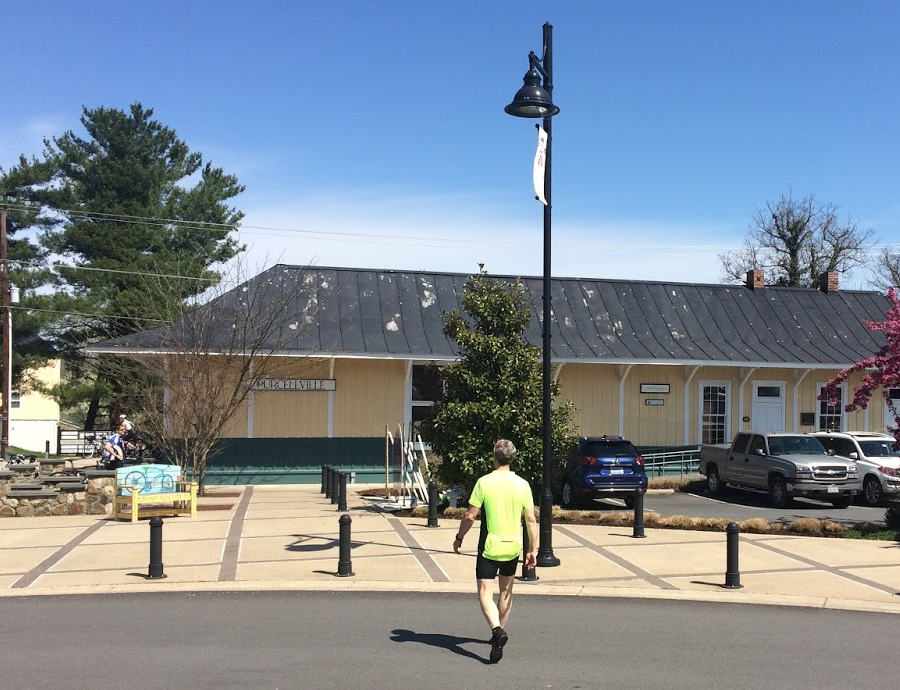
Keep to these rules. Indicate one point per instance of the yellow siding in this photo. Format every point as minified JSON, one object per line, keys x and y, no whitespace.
{"x":236,"y":427}
{"x":369,"y":396}
{"x":292,"y":414}
{"x":647,"y":425}
{"x":35,"y":405}
{"x":594,"y":390}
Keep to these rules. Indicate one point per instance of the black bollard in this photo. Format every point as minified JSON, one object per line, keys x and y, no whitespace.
{"x":732,"y":571}
{"x":328,"y":472}
{"x":638,"y":531}
{"x":156,"y":565}
{"x":432,"y":504}
{"x":342,"y":492}
{"x":528,"y":574}
{"x":322,"y":490}
{"x":345,"y":566}
{"x":335,"y":485}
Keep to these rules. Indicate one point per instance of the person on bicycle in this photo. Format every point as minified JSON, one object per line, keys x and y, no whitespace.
{"x":128,"y":433}
{"x":114,"y":450}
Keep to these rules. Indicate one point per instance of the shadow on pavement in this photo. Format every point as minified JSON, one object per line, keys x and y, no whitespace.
{"x":449,"y":642}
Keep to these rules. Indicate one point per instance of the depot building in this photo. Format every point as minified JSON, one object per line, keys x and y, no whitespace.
{"x":664,"y":364}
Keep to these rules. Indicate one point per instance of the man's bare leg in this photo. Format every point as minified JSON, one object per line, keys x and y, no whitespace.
{"x":504,"y":601}
{"x":486,"y":600}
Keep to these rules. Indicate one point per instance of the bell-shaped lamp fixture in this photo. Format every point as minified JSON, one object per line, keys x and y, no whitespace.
{"x":532,"y":100}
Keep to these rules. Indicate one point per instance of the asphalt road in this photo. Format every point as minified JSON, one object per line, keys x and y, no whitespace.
{"x":743,"y":505}
{"x":255,"y":641}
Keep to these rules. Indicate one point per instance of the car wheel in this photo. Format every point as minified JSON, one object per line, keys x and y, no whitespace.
{"x":568,"y":497}
{"x":629,"y":502}
{"x":778,"y":495}
{"x":713,"y":481}
{"x":842,"y":502}
{"x":871,"y":493}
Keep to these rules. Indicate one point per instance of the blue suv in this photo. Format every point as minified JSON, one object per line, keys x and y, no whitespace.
{"x":602,"y":467}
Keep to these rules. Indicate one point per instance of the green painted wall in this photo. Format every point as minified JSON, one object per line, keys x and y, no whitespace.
{"x":297,"y":460}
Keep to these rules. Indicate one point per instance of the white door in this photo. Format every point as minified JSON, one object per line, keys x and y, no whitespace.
{"x":768,"y":406}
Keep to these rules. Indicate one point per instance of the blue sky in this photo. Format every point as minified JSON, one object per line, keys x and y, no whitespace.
{"x":372,"y":134}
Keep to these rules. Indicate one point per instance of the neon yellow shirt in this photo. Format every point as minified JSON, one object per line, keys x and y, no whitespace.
{"x":502,"y":496}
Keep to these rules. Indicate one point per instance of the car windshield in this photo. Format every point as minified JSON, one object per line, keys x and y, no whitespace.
{"x":878,"y":449}
{"x":795,"y":445}
{"x":604,"y":449}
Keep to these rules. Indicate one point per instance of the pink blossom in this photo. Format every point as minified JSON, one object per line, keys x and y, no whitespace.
{"x":882,"y":370}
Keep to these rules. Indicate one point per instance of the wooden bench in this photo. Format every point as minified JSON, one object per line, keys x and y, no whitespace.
{"x":148,"y":490}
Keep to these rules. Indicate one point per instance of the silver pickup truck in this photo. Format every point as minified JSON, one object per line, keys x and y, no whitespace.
{"x":785,"y":465}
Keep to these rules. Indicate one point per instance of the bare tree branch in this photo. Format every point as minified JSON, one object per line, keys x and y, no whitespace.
{"x":211,"y":357}
{"x":795,"y":241}
{"x":887,"y":269}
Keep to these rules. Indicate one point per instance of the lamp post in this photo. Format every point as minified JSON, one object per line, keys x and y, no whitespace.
{"x":7,"y":337}
{"x":535,"y":100}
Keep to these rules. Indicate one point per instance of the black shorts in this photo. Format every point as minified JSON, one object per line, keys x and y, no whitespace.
{"x":486,"y":569}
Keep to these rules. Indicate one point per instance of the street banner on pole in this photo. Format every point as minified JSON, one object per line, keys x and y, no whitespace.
{"x":540,"y":161}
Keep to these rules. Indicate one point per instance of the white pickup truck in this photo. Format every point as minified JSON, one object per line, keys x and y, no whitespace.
{"x":783,"y":464}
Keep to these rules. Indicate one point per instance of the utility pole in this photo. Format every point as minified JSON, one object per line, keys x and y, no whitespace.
{"x":7,"y":342}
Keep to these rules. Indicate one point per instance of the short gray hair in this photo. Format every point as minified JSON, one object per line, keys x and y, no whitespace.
{"x":504,"y":451}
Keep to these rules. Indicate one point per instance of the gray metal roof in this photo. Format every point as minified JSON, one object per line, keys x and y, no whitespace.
{"x":397,"y":314}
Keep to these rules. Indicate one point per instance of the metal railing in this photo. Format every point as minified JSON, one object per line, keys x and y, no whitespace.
{"x":678,"y":462}
{"x":77,"y":441}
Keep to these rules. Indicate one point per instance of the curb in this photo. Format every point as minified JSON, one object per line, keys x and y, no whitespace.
{"x":529,"y":589}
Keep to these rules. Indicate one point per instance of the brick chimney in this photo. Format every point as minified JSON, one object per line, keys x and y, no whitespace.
{"x":828,"y":282}
{"x":756,"y":279}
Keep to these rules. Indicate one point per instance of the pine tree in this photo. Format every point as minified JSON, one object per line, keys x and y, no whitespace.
{"x":126,"y":200}
{"x":136,"y":200}
{"x":27,"y":269}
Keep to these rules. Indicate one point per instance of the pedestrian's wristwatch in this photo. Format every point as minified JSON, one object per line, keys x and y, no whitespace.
{"x":458,"y":538}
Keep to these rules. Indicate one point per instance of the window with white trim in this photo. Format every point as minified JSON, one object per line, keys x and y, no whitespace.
{"x":715,"y":398}
{"x":15,"y":400}
{"x":426,"y":388}
{"x":831,"y":417}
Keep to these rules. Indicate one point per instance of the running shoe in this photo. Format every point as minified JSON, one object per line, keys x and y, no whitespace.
{"x":498,"y":640}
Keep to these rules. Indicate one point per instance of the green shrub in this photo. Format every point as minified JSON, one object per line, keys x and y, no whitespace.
{"x":892,"y":516}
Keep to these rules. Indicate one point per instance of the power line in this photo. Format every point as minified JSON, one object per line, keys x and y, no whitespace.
{"x":425,"y":241}
{"x":110,"y":270}
{"x":87,"y":315}
{"x":346,"y":236}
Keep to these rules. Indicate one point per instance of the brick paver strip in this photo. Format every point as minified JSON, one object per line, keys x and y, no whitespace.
{"x":827,"y":568}
{"x":621,"y":562}
{"x":28,"y":578}
{"x":228,"y":569}
{"x":432,"y":569}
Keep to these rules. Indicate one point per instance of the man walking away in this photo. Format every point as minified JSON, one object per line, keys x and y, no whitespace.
{"x":503,"y":499}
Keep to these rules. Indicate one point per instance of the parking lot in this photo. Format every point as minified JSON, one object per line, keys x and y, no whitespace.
{"x":744,"y":505}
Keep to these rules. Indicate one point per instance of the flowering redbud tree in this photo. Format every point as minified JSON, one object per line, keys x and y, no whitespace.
{"x":882,"y":370}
